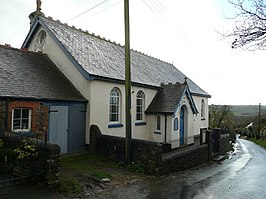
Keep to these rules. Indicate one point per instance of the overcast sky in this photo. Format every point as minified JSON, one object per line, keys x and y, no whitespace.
{"x":184,"y":33}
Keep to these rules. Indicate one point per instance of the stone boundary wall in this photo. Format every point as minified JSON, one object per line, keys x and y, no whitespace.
{"x":47,"y":153}
{"x":149,"y":154}
{"x":146,"y":153}
{"x":185,"y":159}
{"x":225,"y":144}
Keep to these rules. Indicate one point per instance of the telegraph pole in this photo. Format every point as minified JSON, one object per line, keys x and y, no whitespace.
{"x":127,"y":83}
{"x":259,"y":116}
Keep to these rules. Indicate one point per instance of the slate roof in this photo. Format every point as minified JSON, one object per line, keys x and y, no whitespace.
{"x":168,"y":98}
{"x":33,"y":76}
{"x":97,"y":57}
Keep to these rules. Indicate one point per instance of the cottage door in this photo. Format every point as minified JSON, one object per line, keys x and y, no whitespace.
{"x":182,"y":125}
{"x":77,"y":128}
{"x":58,"y":127}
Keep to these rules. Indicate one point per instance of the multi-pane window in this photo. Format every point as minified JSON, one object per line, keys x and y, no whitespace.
{"x":21,"y":119}
{"x":140,"y":106}
{"x":114,"y":105}
{"x":175,"y":124}
{"x":202,"y":113}
{"x":158,"y":123}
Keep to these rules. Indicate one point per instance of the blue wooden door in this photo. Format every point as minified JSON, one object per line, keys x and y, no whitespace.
{"x":58,"y":127}
{"x":76,"y":126}
{"x":182,"y":126}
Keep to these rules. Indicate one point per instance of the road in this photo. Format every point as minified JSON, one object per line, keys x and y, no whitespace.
{"x":242,"y":176}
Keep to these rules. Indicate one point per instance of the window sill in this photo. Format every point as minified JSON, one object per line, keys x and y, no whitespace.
{"x":158,"y":133}
{"x":115,"y":125}
{"x":140,"y":123}
{"x":25,"y":133}
{"x":21,"y":130}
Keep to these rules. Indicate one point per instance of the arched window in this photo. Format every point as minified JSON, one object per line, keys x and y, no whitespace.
{"x":114,"y":112}
{"x":158,"y":123}
{"x":175,"y":124}
{"x":202,"y":113}
{"x":140,"y":106}
{"x":41,"y":37}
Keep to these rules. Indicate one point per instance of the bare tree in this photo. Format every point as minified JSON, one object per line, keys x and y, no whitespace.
{"x":250,"y":24}
{"x":220,"y":116}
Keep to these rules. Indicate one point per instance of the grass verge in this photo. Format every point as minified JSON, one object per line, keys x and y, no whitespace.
{"x":261,"y":141}
{"x":88,"y":164}
{"x":82,"y":166}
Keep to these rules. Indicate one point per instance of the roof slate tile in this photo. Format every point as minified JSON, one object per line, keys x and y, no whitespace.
{"x":166,"y":100}
{"x":103,"y":58}
{"x":33,"y":75}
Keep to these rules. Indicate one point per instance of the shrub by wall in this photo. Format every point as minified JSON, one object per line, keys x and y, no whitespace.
{"x":45,"y":164}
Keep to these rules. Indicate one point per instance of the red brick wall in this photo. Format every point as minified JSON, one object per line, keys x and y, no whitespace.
{"x":39,"y":114}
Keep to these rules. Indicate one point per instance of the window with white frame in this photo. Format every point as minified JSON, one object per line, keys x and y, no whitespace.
{"x":158,"y":123}
{"x":202,"y":113}
{"x":140,"y":106}
{"x":21,"y":119}
{"x":114,"y":112}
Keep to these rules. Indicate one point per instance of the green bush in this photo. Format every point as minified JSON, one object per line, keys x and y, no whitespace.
{"x":26,"y":151}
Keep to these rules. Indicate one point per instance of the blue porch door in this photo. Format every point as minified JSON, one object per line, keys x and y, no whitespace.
{"x":182,"y":126}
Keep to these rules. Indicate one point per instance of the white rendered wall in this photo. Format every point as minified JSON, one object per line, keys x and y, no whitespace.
{"x":100,"y":98}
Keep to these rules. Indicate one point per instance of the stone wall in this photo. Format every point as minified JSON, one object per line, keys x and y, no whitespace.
{"x":149,"y":154}
{"x":185,"y":159}
{"x":146,"y":153}
{"x":225,"y":144}
{"x":220,"y":141}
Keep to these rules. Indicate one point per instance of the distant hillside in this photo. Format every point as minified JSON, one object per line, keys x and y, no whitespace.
{"x":247,"y":110}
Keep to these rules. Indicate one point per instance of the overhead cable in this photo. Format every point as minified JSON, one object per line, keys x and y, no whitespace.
{"x":88,"y":10}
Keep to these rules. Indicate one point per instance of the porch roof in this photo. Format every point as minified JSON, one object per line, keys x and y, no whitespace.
{"x":167,"y":99}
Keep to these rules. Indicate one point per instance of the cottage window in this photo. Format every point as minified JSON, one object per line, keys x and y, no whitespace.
{"x":158,"y":123}
{"x":21,"y":119}
{"x":175,"y":124}
{"x":202,"y":113}
{"x":114,"y":113}
{"x":140,"y":106}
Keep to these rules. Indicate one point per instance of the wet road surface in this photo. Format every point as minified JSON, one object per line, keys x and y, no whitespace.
{"x":242,"y":176}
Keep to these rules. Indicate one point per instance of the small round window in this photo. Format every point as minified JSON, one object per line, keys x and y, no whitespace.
{"x":42,"y":37}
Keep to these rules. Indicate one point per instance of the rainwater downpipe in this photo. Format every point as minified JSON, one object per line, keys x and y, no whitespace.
{"x":165,"y":128}
{"x":6,"y":114}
